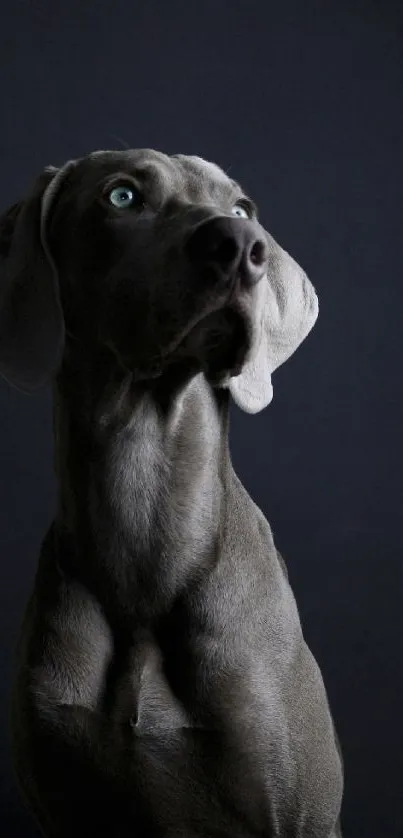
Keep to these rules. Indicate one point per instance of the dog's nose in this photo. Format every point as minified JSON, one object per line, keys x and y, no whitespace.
{"x":231,"y":247}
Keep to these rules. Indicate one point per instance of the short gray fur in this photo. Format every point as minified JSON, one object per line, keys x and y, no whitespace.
{"x":164,"y":687}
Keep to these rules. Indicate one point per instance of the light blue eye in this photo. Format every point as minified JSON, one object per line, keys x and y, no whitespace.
{"x":240,"y":211}
{"x":124,"y":197}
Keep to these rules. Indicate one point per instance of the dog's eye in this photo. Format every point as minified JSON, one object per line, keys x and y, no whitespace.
{"x":241,"y":211}
{"x":124,"y":197}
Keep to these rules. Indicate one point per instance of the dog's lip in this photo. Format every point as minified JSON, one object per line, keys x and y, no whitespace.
{"x":233,"y":300}
{"x":222,"y":301}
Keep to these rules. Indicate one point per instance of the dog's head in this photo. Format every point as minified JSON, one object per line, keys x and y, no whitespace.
{"x":162,"y":259}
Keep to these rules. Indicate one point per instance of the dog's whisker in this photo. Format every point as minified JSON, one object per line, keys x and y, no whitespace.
{"x":122,"y":142}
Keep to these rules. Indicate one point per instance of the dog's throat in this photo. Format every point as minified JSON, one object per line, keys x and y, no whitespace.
{"x":119,"y":466}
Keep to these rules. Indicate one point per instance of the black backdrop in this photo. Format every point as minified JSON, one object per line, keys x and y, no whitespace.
{"x":302,"y":102}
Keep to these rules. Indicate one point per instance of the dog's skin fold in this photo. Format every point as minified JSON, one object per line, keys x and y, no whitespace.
{"x":164,"y":687}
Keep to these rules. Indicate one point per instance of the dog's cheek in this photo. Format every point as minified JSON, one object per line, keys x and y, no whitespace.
{"x":81,"y":262}
{"x":125,"y":313}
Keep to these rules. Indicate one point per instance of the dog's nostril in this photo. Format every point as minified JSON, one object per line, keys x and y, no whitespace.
{"x":224,"y":252}
{"x":214,"y":243}
{"x":257,"y":253}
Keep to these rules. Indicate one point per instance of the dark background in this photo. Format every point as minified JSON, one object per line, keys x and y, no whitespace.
{"x":302,"y":103}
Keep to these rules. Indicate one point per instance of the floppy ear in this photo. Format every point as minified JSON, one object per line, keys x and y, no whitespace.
{"x":31,"y":318}
{"x":288,"y":308}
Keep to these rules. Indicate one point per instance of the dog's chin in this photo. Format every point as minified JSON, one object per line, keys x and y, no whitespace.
{"x":218,"y":344}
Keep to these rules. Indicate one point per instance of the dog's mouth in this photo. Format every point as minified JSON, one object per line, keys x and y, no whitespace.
{"x":216,"y":341}
{"x":216,"y":344}
{"x":220,"y":344}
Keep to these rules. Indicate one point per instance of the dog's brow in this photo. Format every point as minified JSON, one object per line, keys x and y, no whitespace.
{"x":148,"y":173}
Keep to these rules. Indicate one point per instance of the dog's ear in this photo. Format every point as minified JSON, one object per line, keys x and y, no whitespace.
{"x":31,"y":318}
{"x":288,"y":309}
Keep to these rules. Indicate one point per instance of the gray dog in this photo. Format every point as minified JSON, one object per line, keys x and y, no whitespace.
{"x":164,"y":688}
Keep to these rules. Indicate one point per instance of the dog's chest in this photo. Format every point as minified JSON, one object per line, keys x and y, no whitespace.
{"x":261,"y":737}
{"x":141,"y":694}
{"x":267,"y":707}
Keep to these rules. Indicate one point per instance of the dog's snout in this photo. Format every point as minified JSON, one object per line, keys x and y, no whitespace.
{"x":230,"y":246}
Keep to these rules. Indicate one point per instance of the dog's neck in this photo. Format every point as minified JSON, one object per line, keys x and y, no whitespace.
{"x":140,"y":469}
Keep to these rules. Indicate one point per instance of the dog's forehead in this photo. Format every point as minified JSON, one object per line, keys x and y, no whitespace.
{"x":201,"y":180}
{"x":188,"y":176}
{"x":204,"y":172}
